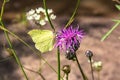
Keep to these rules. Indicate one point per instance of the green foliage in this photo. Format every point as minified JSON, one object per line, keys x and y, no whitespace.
{"x":117,"y":6}
{"x":114,"y":27}
{"x":110,"y":31}
{"x":43,"y":39}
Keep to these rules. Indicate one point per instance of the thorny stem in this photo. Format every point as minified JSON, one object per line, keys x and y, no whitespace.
{"x":79,"y":66}
{"x":72,"y":17}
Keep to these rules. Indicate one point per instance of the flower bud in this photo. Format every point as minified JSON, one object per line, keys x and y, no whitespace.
{"x":66,"y":69}
{"x":89,"y":53}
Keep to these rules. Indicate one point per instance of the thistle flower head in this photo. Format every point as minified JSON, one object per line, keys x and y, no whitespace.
{"x":69,"y":40}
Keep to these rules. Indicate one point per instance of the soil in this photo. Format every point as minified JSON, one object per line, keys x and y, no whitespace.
{"x":95,"y":24}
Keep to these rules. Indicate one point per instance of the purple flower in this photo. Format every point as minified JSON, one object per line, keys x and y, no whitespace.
{"x":69,"y":39}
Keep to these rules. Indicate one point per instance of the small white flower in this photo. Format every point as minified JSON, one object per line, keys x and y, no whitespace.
{"x":52,"y":16}
{"x":46,"y":18}
{"x":36,"y":16}
{"x":29,"y":17}
{"x":31,"y":12}
{"x":50,"y":11}
{"x":40,"y":9}
{"x":39,"y":15}
{"x":97,"y":65}
{"x":42,"y":22}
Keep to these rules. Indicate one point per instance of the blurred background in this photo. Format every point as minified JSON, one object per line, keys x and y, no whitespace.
{"x":61,"y":7}
{"x":94,"y":16}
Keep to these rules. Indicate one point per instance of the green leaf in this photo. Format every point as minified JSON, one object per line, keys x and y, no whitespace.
{"x":43,"y":39}
{"x":110,"y":31}
{"x":117,"y":6}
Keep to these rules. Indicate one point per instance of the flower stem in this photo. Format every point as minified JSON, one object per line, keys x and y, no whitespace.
{"x":26,"y":44}
{"x":71,"y":18}
{"x":2,"y":10}
{"x":79,"y":66}
{"x":9,"y":42}
{"x":91,"y":68}
{"x":14,"y":53}
{"x":58,"y":57}
{"x":44,"y":2}
{"x":66,"y":76}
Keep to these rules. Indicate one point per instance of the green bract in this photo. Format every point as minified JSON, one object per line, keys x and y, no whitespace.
{"x":43,"y":39}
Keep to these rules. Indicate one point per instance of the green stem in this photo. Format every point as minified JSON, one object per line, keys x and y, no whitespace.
{"x":7,"y":31}
{"x":79,"y":66}
{"x":37,"y":53}
{"x":75,"y":10}
{"x":19,"y":63}
{"x":14,"y":53}
{"x":66,"y":76}
{"x":91,"y":68}
{"x":110,"y":31}
{"x":58,"y":57}
{"x":2,"y":10}
{"x":37,"y":72}
{"x":9,"y":42}
{"x":44,"y":2}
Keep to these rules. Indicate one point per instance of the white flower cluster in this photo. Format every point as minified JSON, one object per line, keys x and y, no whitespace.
{"x":39,"y":15}
{"x":97,"y":65}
